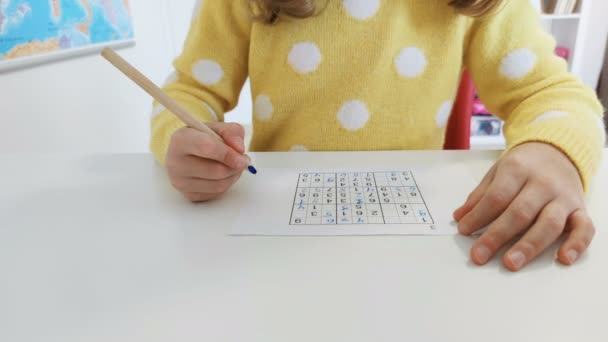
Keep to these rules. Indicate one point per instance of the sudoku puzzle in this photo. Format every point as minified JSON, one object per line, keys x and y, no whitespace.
{"x":358,"y":198}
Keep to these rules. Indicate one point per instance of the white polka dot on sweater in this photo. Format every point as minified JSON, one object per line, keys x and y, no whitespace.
{"x":410,"y":62}
{"x":211,"y":111}
{"x":157,"y":110}
{"x":353,"y":115}
{"x":361,"y":9}
{"x":207,"y":72}
{"x":443,"y":115}
{"x":305,"y":57}
{"x":298,"y":148}
{"x":518,"y":64}
{"x":556,"y":114}
{"x":263,"y":108}
{"x":602,"y":126}
{"x":197,"y":9}
{"x":172,"y":78}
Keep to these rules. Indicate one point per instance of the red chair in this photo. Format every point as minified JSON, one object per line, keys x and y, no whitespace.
{"x":458,"y":132}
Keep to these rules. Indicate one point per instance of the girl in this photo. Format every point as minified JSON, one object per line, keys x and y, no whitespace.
{"x":381,"y":75}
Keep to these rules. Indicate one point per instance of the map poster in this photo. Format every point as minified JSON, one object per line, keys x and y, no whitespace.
{"x":37,"y":31}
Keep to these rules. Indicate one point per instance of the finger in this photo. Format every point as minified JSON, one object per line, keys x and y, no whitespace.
{"x":206,"y":146}
{"x":232,"y":133}
{"x":197,"y":185}
{"x":199,"y":197}
{"x":476,"y":195}
{"x":548,"y":227}
{"x":506,"y":184}
{"x":581,"y":235}
{"x":195,"y":167}
{"x":518,"y":217}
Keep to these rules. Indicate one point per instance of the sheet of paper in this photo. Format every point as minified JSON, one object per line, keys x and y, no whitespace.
{"x":405,"y":201}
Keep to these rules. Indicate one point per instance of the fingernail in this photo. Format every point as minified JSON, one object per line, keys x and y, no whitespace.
{"x":572,"y":256}
{"x":241,"y":145}
{"x":483,"y":254}
{"x":462,"y":228}
{"x":242,"y":163}
{"x":517,"y":259}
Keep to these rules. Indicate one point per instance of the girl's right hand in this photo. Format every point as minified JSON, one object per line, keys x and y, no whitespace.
{"x":201,"y":166}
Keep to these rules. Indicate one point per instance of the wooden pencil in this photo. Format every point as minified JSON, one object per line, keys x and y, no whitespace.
{"x":159,"y":95}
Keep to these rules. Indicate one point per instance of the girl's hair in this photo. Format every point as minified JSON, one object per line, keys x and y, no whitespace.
{"x":270,"y":10}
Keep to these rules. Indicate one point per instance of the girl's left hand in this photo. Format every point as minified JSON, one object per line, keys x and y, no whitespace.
{"x":533,"y":190}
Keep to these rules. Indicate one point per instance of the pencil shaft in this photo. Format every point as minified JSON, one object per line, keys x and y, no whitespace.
{"x":154,"y":91}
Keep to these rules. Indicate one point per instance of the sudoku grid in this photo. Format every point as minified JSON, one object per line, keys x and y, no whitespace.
{"x":358,"y":198}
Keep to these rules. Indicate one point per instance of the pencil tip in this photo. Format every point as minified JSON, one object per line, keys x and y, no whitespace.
{"x":252,"y":169}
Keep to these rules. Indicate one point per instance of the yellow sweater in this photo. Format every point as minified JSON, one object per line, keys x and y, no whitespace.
{"x":379,"y":75}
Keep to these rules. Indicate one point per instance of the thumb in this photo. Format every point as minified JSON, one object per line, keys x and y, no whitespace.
{"x":232,"y":133}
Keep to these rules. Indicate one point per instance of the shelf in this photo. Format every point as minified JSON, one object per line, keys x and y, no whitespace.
{"x":489,"y":142}
{"x":553,"y":17}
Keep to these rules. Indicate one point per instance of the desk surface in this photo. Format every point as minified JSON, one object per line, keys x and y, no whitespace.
{"x":100,"y":248}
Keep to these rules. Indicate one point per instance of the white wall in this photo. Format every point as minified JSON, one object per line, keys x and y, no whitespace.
{"x":83,"y":105}
{"x":593,"y":47}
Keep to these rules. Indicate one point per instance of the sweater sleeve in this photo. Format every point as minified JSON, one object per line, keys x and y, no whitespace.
{"x":210,"y":72}
{"x":522,"y":81}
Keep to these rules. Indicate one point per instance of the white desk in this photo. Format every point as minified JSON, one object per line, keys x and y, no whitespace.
{"x":100,"y":248}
